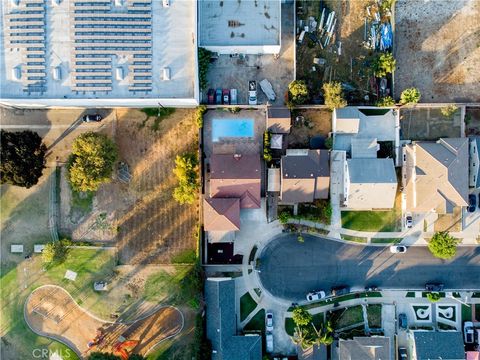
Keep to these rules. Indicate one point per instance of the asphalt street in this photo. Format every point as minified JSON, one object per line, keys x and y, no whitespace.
{"x":290,"y":269}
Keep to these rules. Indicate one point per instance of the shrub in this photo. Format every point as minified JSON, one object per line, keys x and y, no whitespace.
{"x":385,"y":101}
{"x":329,"y":142}
{"x":384,"y":64}
{"x":449,"y":111}
{"x":54,"y":252}
{"x":433,"y":296}
{"x":410,"y":96}
{"x":443,"y":245}
{"x":297,"y":92}
{"x":186,"y":171}
{"x":203,"y":65}
{"x":91,"y":162}
{"x":283,"y":217}
{"x":202,"y":109}
{"x":301,"y":317}
{"x":267,"y":152}
{"x":333,"y":95}
{"x":22,"y":158}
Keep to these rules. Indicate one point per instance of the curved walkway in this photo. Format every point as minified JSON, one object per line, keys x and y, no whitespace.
{"x":51,"y":311}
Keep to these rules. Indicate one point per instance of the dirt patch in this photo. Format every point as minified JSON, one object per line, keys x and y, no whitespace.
{"x":428,"y":124}
{"x":51,"y":311}
{"x":315,"y":122}
{"x":444,"y":39}
{"x":472,"y":121}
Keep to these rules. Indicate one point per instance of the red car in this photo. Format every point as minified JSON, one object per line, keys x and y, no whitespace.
{"x":211,"y":96}
{"x":226,"y":96}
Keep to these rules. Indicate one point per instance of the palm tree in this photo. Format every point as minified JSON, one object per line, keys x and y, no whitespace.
{"x":324,"y":335}
{"x":303,"y":337}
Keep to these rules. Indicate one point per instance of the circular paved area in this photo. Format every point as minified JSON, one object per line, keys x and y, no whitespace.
{"x":289,"y":269}
{"x":50,"y":311}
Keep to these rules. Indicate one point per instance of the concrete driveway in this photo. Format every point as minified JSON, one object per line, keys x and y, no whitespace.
{"x":290,"y":269}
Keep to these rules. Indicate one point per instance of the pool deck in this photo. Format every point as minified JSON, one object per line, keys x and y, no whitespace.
{"x":234,"y":145}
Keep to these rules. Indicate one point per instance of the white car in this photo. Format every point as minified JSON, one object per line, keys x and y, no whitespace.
{"x":269,"y":339}
{"x":269,"y":321}
{"x":316,"y":295}
{"x":468,"y":333}
{"x":252,"y":92}
{"x":408,"y":221}
{"x":398,"y":249}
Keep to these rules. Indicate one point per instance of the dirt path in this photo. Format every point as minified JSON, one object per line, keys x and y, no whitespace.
{"x":51,"y":311}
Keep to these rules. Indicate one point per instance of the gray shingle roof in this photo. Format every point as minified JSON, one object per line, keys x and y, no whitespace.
{"x":365,"y":348}
{"x":431,"y":345}
{"x":221,"y":324}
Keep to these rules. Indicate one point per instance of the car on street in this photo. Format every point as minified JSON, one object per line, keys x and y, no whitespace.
{"x":269,"y":340}
{"x":408,"y":221}
{"x":226,"y":96}
{"x":402,"y":353}
{"x":468,"y":332}
{"x":434,"y":287}
{"x":472,"y":203}
{"x":218,"y":96}
{"x":92,"y":118}
{"x":252,"y":92}
{"x":269,"y":321}
{"x":402,"y":321}
{"x":316,"y":295}
{"x":398,"y":249}
{"x":211,"y":96}
{"x":340,"y":290}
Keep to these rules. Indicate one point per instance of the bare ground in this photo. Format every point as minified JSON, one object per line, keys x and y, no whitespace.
{"x":437,"y":47}
{"x":319,"y":123}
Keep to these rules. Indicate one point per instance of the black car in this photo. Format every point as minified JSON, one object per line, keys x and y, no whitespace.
{"x":340,"y":290}
{"x":92,"y":118}
{"x":402,"y":354}
{"x":402,"y":321}
{"x":472,"y":203}
{"x":434,"y":287}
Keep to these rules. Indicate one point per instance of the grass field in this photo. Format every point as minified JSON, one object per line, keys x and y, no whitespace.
{"x":385,"y":221}
{"x":374,"y":313}
{"x":257,"y":323}
{"x":358,"y":239}
{"x":247,"y":305}
{"x":386,"y":240}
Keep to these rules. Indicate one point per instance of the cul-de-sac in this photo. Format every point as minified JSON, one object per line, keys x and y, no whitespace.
{"x":240,"y":179}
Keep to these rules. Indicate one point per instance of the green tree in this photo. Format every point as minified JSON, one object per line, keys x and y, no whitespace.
{"x":449,"y":111}
{"x":410,"y":96}
{"x":186,"y":171}
{"x":384,"y":64}
{"x":333,"y":94}
{"x":203,"y":64}
{"x":103,"y":356}
{"x":443,"y":245}
{"x":54,"y":252}
{"x":304,"y":336}
{"x":433,"y":296}
{"x":386,"y":101}
{"x":329,"y":142}
{"x":22,"y":158}
{"x":267,"y":153}
{"x":324,"y":335}
{"x":301,"y":317}
{"x":297,"y":92}
{"x":202,"y":109}
{"x":91,"y":162}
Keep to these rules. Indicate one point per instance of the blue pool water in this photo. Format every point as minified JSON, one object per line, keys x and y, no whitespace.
{"x":222,"y":128}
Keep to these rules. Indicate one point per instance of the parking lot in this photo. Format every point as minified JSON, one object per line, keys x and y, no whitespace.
{"x":234,"y":72}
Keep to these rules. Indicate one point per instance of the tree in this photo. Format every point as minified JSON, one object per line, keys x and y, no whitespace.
{"x":329,"y":142}
{"x":103,"y":356}
{"x":410,"y":96}
{"x":433,"y":296}
{"x":301,"y":317}
{"x":324,"y":335}
{"x":22,"y":158}
{"x":267,"y":153}
{"x":385,"y":101}
{"x":91,"y":162}
{"x":443,"y":245}
{"x":384,"y":64}
{"x":202,"y":109}
{"x":297,"y":92}
{"x":54,"y":252}
{"x":333,"y":95}
{"x":186,"y":171}
{"x":203,"y":64}
{"x":449,"y":111}
{"x":304,"y":336}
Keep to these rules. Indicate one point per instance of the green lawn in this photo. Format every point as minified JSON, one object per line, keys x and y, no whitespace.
{"x":247,"y":305}
{"x":466,"y":313}
{"x":372,"y":220}
{"x":289,"y":326}
{"x":257,"y":323}
{"x":374,"y":313}
{"x":358,"y":239}
{"x":82,"y":201}
{"x":386,"y":240}
{"x":346,"y":317}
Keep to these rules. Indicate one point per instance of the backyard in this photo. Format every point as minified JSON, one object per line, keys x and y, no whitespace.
{"x":428,"y":124}
{"x":315,"y":122}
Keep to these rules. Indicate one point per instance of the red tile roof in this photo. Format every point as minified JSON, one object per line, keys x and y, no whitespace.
{"x":221,"y":214}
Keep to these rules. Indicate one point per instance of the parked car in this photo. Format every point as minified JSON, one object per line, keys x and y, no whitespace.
{"x":226,"y":96}
{"x":316,"y":295}
{"x":233,"y":96}
{"x":398,"y":249}
{"x":408,"y":220}
{"x":269,"y":321}
{"x":269,"y":340}
{"x":92,"y":118}
{"x":218,"y":96}
{"x":252,"y":92}
{"x":472,"y":203}
{"x":402,"y":321}
{"x":468,"y":332}
{"x":211,"y":96}
{"x":434,"y":287}
{"x":340,"y":290}
{"x":402,"y":353}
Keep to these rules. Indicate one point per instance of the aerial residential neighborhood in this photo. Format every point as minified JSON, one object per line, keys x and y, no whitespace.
{"x":240,"y":179}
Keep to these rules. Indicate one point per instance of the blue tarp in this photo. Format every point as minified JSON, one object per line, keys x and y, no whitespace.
{"x":386,"y":36}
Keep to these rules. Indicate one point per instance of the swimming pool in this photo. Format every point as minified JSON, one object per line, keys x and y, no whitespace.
{"x":223,"y":128}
